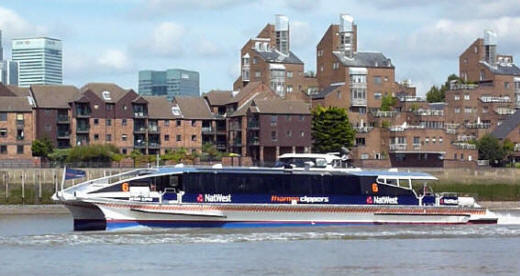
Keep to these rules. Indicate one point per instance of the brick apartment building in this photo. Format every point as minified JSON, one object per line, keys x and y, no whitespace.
{"x":267,"y":58}
{"x":16,"y":127}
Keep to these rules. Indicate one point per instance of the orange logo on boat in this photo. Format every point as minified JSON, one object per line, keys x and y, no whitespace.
{"x":375,"y":188}
{"x":124,"y":187}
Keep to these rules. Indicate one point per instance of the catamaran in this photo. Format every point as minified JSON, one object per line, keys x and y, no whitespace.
{"x":287,"y":195}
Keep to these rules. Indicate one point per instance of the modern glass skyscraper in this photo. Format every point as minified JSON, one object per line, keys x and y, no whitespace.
{"x":39,"y":61}
{"x":9,"y":72}
{"x":169,"y":83}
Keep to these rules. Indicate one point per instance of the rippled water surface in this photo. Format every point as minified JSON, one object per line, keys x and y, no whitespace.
{"x":46,"y":245}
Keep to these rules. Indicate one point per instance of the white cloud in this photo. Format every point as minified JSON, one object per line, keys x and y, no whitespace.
{"x":166,"y":40}
{"x":114,"y":59}
{"x":14,"y":26}
{"x":207,"y":48}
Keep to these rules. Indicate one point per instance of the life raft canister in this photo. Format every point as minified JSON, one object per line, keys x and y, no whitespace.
{"x":124,"y":187}
{"x":375,"y":188}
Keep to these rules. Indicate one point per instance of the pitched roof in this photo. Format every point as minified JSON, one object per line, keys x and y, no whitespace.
{"x":275,"y":56}
{"x":323,"y":93}
{"x":278,"y":106}
{"x":54,"y":96}
{"x":217,"y":97}
{"x":499,"y":69}
{"x":364,"y":59}
{"x":507,"y":126}
{"x":15,"y":104}
{"x":193,"y":107}
{"x":4,"y":91}
{"x":160,"y":108}
{"x":116,"y":92}
{"x":250,"y":90}
{"x":20,"y":91}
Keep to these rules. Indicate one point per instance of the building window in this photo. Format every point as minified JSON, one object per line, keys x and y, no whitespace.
{"x":289,"y":88}
{"x":19,"y":134}
{"x":274,"y":120}
{"x":19,"y":149}
{"x":378,"y":80}
{"x":108,"y":122}
{"x":440,"y":140}
{"x":482,"y":75}
{"x":289,"y":133}
{"x":273,"y":136}
{"x":377,"y":95}
{"x":3,"y":149}
{"x":124,"y":151}
{"x":166,"y":137}
{"x":457,"y":110}
{"x":179,"y":138}
{"x":468,"y":110}
{"x":124,"y":137}
{"x":255,"y":60}
{"x":123,"y":122}
{"x":456,"y":97}
{"x":506,"y":85}
{"x":3,"y":132}
{"x":321,"y":68}
{"x":108,"y":137}
{"x":434,"y":140}
{"x":427,"y":140}
{"x":193,"y":138}
{"x":96,"y":121}
{"x":193,"y":123}
{"x":335,"y":66}
{"x":466,"y":97}
{"x":166,"y":122}
{"x":258,"y":74}
{"x":178,"y":123}
{"x":302,"y":117}
{"x":289,"y":75}
{"x":109,"y":107}
{"x":96,"y":137}
{"x":365,"y":156}
{"x":360,"y":141}
{"x":3,"y":116}
{"x":302,"y":133}
{"x":416,"y":140}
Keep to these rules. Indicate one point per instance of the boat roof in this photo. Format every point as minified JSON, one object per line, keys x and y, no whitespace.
{"x":328,"y":157}
{"x":373,"y":173}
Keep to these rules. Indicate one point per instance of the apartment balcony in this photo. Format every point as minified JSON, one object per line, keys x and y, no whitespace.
{"x":140,"y":145}
{"x":62,"y":119}
{"x":358,"y":102}
{"x":254,"y":124}
{"x":489,"y":99}
{"x":140,"y":114}
{"x":208,"y":130}
{"x":466,"y":138}
{"x":154,"y":129}
{"x":477,"y":125}
{"x":253,"y":141}
{"x":403,"y":128}
{"x":83,"y":113}
{"x":365,"y":129}
{"x":398,"y":147}
{"x":383,"y":114}
{"x":63,"y":135}
{"x":504,"y":111}
{"x":451,"y":125}
{"x":82,"y":129}
{"x":429,"y":112}
{"x":412,"y":99}
{"x":359,"y":85}
{"x":140,"y":129}
{"x":463,"y":86}
{"x":451,"y":131}
{"x":154,"y":145}
{"x":466,"y":146}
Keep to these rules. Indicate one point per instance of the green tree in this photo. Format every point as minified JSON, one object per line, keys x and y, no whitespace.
{"x":388,"y":102}
{"x":211,"y":152}
{"x":436,"y":94}
{"x":331,"y":129}
{"x":42,"y":147}
{"x":490,"y":148}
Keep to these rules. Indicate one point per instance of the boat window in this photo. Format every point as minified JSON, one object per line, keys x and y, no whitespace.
{"x":391,"y":181}
{"x":320,"y":163}
{"x":404,"y":183}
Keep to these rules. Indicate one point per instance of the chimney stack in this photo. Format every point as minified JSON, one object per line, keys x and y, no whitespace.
{"x":490,"y":47}
{"x":346,"y":34}
{"x":281,"y":28}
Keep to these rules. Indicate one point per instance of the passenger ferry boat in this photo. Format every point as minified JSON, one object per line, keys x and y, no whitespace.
{"x":261,"y":197}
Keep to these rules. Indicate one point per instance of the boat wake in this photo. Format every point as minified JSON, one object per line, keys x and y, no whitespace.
{"x":187,"y":236}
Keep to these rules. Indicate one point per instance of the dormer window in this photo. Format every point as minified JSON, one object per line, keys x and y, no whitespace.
{"x":106,"y":95}
{"x":176,"y":110}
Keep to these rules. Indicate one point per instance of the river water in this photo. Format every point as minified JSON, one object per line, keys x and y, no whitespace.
{"x":46,"y":245}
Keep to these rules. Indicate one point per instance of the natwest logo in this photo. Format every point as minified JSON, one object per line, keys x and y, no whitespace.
{"x":213,"y":198}
{"x":385,"y":200}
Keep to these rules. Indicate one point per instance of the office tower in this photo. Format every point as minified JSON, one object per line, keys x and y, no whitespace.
{"x":39,"y":61}
{"x":169,"y":83}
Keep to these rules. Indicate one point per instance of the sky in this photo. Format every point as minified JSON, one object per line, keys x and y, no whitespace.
{"x":111,"y":40}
